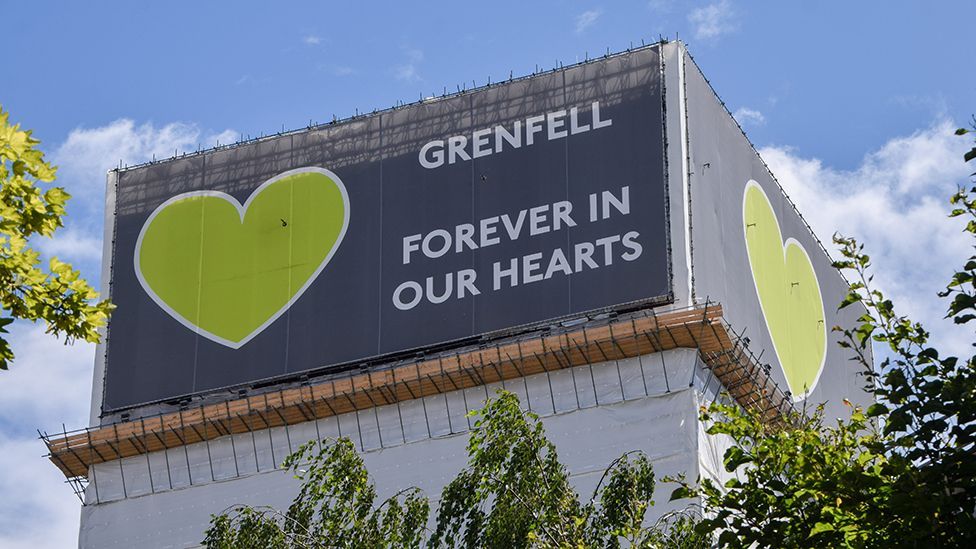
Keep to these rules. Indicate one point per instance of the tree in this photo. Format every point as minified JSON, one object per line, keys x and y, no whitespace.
{"x":58,"y":295}
{"x":513,"y":493}
{"x":334,"y":508}
{"x":900,"y":474}
{"x":516,"y":493}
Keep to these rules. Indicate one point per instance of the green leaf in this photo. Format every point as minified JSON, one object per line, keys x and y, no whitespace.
{"x":682,"y":492}
{"x":876,"y":409}
{"x":821,"y":527}
{"x":58,"y":296}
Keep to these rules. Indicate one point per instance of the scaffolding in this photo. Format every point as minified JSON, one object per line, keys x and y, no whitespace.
{"x":623,"y":336}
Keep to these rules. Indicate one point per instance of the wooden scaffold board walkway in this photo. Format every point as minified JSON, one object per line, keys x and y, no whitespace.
{"x":625,"y":336}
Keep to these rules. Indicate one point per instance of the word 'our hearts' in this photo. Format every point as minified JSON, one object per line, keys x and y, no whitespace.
{"x":789,"y":293}
{"x":227,"y":270}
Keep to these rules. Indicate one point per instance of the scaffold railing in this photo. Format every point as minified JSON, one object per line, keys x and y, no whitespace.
{"x":618,"y":337}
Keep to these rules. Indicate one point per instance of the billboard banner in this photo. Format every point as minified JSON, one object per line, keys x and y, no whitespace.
{"x":496,"y":209}
{"x":754,"y":253}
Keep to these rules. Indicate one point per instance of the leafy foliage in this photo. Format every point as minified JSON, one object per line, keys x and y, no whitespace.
{"x":801,"y":485}
{"x":58,"y":296}
{"x":513,"y":493}
{"x":971,"y":153}
{"x":516,"y":493}
{"x":900,"y":474}
{"x":334,"y":508}
{"x":514,"y":489}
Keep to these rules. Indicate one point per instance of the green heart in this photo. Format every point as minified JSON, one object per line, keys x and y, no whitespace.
{"x":789,"y":293}
{"x":227,"y":270}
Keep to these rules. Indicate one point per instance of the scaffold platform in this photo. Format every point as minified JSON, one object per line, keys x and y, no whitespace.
{"x":723,"y":351}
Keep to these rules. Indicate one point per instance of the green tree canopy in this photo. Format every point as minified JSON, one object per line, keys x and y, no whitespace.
{"x":514,"y":493}
{"x":56,"y":295}
{"x":336,"y":507}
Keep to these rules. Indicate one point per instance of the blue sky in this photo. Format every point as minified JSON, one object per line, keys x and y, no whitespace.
{"x":834,"y":79}
{"x":851,"y":103}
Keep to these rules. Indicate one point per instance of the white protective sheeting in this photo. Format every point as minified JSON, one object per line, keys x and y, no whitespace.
{"x":711,"y":448}
{"x":592,"y":414}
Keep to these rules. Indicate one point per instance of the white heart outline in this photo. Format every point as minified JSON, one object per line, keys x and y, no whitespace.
{"x":242,"y":210}
{"x":786,"y":243}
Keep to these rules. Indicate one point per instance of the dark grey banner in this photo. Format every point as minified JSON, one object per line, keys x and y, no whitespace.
{"x":495,"y":209}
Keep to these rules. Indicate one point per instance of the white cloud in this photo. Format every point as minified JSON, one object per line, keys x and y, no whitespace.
{"x":343,"y":71}
{"x":311,"y":40}
{"x":586,"y":20}
{"x":83,"y":160}
{"x":73,"y":245}
{"x":409,"y":71}
{"x":88,"y":153}
{"x":225,"y":137}
{"x":895,"y":202}
{"x":48,"y":383}
{"x":38,"y":510}
{"x":746,"y":116}
{"x":713,"y":20}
